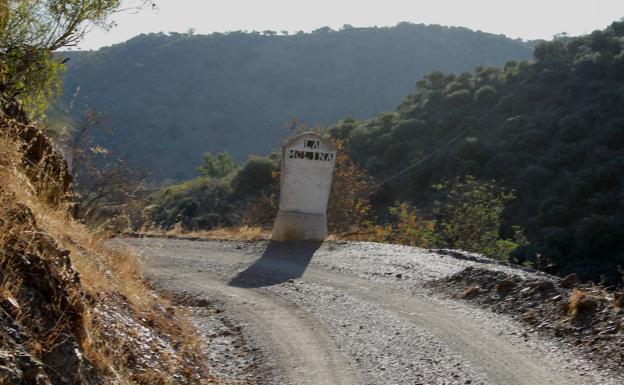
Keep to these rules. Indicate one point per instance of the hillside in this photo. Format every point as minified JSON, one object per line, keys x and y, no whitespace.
{"x":74,"y":311}
{"x":173,"y":97}
{"x":557,"y":140}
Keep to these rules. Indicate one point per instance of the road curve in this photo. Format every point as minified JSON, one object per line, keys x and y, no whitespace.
{"x":299,"y":345}
{"x":337,"y":314}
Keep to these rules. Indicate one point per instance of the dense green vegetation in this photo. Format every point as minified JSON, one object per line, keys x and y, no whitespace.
{"x":176,"y":96}
{"x":218,"y":198}
{"x":557,"y":141}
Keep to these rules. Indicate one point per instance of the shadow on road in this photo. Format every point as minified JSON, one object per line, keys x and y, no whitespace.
{"x":280,"y":262}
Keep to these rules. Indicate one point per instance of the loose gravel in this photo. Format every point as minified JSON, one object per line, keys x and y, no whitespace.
{"x":387,"y":350}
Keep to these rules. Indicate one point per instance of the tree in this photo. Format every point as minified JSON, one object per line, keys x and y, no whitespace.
{"x":104,"y":184}
{"x":30,"y":30}
{"x":323,"y":30}
{"x":217,"y":166}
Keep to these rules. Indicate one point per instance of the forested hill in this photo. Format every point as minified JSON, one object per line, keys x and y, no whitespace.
{"x":173,"y":97}
{"x":557,"y":140}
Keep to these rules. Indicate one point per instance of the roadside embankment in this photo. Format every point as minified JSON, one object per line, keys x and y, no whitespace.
{"x":71,"y":309}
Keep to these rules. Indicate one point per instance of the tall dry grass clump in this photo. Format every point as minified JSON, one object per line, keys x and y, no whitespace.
{"x":582,"y":303}
{"x":73,"y":310}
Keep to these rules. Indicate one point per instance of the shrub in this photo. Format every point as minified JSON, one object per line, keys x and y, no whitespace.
{"x":217,"y":166}
{"x":255,"y":175}
{"x":469,"y":217}
{"x":410,"y":228}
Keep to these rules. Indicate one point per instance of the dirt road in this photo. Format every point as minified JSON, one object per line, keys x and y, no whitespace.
{"x":359,"y":313}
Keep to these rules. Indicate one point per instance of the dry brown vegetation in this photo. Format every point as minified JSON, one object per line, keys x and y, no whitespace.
{"x":581,"y":303}
{"x":349,"y":207}
{"x":72,"y":309}
{"x":240,"y":233}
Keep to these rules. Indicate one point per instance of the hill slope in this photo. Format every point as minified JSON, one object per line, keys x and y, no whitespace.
{"x":557,"y":140}
{"x":173,"y":97}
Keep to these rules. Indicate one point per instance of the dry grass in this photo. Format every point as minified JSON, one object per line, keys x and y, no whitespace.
{"x":581,"y":303}
{"x":469,"y":292}
{"x":245,"y":233}
{"x":103,"y":271}
{"x":100,"y":267}
{"x":241,"y":233}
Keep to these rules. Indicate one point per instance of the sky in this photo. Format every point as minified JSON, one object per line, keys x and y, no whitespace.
{"x":525,"y":19}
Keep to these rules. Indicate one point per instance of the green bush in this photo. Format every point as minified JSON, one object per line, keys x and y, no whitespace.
{"x":255,"y":175}
{"x":218,"y":166}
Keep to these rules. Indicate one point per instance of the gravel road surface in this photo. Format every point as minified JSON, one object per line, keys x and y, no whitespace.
{"x":350,"y":313}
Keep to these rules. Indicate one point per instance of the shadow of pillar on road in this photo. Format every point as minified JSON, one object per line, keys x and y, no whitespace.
{"x":279,"y":262}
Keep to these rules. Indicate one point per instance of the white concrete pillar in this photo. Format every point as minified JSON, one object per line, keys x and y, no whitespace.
{"x":306,"y":176}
